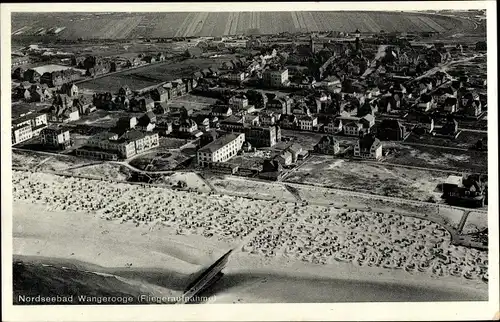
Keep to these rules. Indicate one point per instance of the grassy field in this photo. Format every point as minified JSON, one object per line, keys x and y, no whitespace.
{"x":151,"y":75}
{"x":370,"y":178}
{"x":104,"y":119}
{"x":432,"y":157}
{"x":465,"y":140}
{"x":159,"y":161}
{"x":189,"y":24}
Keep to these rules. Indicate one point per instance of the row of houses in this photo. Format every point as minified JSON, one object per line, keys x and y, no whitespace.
{"x":113,"y":146}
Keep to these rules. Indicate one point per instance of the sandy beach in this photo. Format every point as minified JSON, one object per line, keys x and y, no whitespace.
{"x":159,"y":236}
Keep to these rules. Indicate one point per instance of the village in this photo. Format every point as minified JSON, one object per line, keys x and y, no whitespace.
{"x":358,"y":97}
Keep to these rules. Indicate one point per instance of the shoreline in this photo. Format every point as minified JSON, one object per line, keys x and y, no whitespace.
{"x":160,"y":253}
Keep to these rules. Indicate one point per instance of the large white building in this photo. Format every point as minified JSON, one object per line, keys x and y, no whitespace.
{"x":27,"y":126}
{"x":275,"y":78}
{"x":220,"y":150}
{"x":125,"y":146}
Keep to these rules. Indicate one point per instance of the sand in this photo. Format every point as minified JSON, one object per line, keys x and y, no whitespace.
{"x":179,"y":232}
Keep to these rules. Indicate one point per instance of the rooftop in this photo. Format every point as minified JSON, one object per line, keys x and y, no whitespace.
{"x":53,"y":68}
{"x":24,"y":118}
{"x":220,"y":142}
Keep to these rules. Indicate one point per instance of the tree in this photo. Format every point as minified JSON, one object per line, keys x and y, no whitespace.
{"x":256,"y":98}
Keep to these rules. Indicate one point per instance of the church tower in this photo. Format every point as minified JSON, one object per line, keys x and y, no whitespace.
{"x":311,"y":44}
{"x":358,"y":44}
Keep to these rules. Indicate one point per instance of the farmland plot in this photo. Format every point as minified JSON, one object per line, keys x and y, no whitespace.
{"x":181,"y":24}
{"x":167,"y":24}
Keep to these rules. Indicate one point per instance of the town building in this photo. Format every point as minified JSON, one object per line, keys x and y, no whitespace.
{"x":60,"y":77}
{"x":56,"y":137}
{"x":220,"y":150}
{"x":289,"y":121}
{"x":308,"y":123}
{"x":391,"y":130}
{"x":262,"y":136}
{"x":353,"y":128}
{"x":368,"y":147}
{"x":284,"y":158}
{"x":32,"y":76}
{"x":187,"y":125}
{"x":450,"y":105}
{"x":147,"y":122}
{"x":164,"y":125}
{"x":62,"y":110}
{"x":271,"y":170}
{"x":142,"y":104}
{"x":159,"y":94}
{"x":468,"y":189}
{"x":297,"y":152}
{"x":470,"y":104}
{"x":282,"y":105}
{"x":236,"y":77}
{"x":222,"y":110}
{"x":238,"y":101}
{"x":267,"y":118}
{"x":333,"y":126}
{"x":161,"y":108}
{"x":69,"y":89}
{"x":327,"y":145}
{"x":275,"y":78}
{"x":111,"y":146}
{"x":251,"y":119}
{"x":19,"y":61}
{"x":27,"y":126}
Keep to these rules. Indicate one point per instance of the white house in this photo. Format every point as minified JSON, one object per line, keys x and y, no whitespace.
{"x":352,"y":128}
{"x":333,"y":126}
{"x":307,"y":123}
{"x":368,"y":147}
{"x":238,"y":101}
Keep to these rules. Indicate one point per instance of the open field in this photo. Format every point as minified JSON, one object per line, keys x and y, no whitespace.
{"x":103,"y":118}
{"x":105,"y":171}
{"x":150,"y":75}
{"x":476,"y":222}
{"x":433,"y":157}
{"x":192,"y":102}
{"x":465,"y":140}
{"x":192,"y":24}
{"x":251,"y":189}
{"x":159,"y":161}
{"x":31,"y":160}
{"x":370,"y":178}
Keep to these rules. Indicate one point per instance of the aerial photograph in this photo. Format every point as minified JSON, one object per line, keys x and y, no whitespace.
{"x":249,"y":157}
